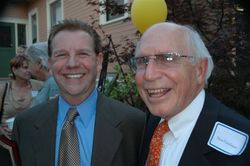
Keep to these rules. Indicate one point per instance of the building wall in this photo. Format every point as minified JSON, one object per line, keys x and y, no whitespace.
{"x":118,"y":30}
{"x":79,"y":9}
{"x":17,"y":11}
{"x":42,"y":20}
{"x":40,"y":5}
{"x":72,"y":9}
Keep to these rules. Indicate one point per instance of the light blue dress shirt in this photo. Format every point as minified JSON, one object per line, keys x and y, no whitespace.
{"x":84,"y":123}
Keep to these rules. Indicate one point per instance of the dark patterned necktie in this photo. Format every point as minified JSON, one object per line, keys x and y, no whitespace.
{"x":156,"y":144}
{"x":69,"y":152}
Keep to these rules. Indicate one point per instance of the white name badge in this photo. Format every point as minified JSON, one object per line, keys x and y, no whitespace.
{"x":34,"y":93}
{"x":228,"y":140}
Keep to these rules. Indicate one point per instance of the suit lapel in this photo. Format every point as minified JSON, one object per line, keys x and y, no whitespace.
{"x":197,"y":143}
{"x":44,"y":134}
{"x":107,"y":136}
{"x":196,"y":148}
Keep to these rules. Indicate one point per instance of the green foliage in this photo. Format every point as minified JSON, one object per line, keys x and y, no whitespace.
{"x":122,"y":87}
{"x":224,"y":28}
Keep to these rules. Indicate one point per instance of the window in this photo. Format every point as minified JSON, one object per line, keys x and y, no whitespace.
{"x":21,"y":34}
{"x":113,"y":10}
{"x":5,"y":36}
{"x":54,"y":12}
{"x":33,"y":35}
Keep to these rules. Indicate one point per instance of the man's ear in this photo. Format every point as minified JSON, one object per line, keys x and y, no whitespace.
{"x":201,"y":70}
{"x":99,"y":59}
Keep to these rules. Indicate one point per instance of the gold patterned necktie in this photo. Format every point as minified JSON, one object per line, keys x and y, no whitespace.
{"x":69,"y":152}
{"x":156,"y":144}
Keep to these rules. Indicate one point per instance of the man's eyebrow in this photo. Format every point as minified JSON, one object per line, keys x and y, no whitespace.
{"x":58,"y":51}
{"x":77,"y":50}
{"x":84,"y":50}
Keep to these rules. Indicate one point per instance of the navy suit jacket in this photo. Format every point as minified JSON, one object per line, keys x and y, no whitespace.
{"x":117,"y":134}
{"x":197,"y":152}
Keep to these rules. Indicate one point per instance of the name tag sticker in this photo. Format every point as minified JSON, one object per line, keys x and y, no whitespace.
{"x":228,"y":140}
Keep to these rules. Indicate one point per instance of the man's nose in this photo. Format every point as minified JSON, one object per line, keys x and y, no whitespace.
{"x":151,"y":70}
{"x":72,"y":61}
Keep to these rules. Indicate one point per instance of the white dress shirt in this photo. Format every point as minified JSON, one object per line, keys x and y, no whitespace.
{"x":181,"y":126}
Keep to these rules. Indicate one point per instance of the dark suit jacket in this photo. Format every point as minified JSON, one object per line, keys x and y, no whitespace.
{"x":197,"y":152}
{"x":117,"y":135}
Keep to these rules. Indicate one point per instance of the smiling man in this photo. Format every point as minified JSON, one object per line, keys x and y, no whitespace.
{"x":81,"y":126}
{"x":186,"y":126}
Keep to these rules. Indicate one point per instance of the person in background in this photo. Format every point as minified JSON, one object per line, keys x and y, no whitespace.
{"x":38,"y":54}
{"x":186,"y":126}
{"x":21,"y":90}
{"x":21,"y":50}
{"x":104,"y":131}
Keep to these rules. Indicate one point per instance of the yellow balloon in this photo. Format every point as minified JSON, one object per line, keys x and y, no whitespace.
{"x":145,"y":13}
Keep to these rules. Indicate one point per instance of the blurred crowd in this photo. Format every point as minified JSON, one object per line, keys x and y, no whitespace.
{"x":30,"y":83}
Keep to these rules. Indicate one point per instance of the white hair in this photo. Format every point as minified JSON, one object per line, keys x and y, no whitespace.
{"x":198,"y":48}
{"x":194,"y":42}
{"x":38,"y":52}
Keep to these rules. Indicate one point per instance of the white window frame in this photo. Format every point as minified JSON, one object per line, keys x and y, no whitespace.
{"x":103,"y":16}
{"x":48,"y":3}
{"x":16,"y":21}
{"x":31,"y":13}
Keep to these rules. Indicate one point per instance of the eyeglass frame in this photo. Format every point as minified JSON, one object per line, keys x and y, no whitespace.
{"x":133,"y":60}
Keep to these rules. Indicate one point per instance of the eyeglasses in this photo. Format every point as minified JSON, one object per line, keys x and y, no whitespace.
{"x":164,"y":59}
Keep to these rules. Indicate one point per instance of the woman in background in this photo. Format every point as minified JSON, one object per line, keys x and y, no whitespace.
{"x":20,"y":92}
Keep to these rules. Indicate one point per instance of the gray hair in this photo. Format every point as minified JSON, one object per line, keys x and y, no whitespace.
{"x":38,"y":52}
{"x":197,"y":48}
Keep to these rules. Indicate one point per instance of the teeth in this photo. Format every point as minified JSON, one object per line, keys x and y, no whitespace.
{"x":155,"y":90}
{"x":73,"y":75}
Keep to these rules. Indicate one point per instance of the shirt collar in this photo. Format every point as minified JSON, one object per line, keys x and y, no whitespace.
{"x":86,"y":109}
{"x":188,"y":117}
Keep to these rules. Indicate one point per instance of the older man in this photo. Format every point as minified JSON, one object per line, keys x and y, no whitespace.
{"x":186,"y":126}
{"x":38,"y":53}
